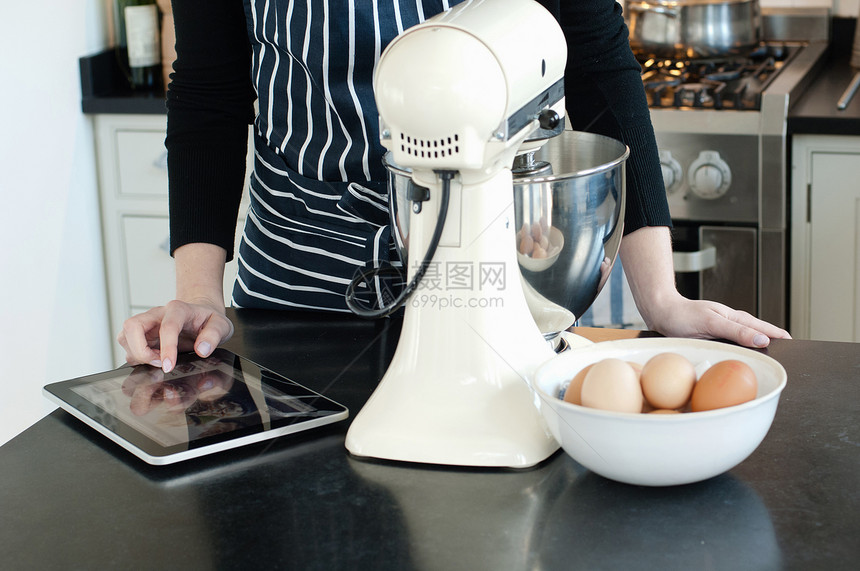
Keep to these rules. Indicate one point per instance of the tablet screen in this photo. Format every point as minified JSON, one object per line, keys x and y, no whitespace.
{"x":213,"y":402}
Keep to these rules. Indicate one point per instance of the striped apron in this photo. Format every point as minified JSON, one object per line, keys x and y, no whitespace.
{"x":318,"y":206}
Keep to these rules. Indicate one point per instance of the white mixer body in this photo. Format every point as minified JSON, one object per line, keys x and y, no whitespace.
{"x":461,"y":92}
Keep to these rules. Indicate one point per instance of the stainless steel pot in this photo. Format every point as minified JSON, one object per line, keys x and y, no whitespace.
{"x":693,"y":28}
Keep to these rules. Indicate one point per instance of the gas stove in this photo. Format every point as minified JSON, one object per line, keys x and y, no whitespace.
{"x":721,"y":129}
{"x":720,"y":125}
{"x":715,"y":83}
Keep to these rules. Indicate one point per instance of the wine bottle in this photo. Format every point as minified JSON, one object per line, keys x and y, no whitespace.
{"x":138,"y":30}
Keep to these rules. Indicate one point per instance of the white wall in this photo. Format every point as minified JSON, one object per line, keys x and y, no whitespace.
{"x":843,"y":8}
{"x":846,"y":8}
{"x":53,"y":311}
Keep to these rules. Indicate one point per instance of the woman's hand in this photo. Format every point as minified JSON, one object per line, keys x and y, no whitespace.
{"x":158,"y":335}
{"x":647,"y":257}
{"x":195,"y":320}
{"x":682,"y":317}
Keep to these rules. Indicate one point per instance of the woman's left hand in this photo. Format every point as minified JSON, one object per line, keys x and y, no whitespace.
{"x":647,"y":257}
{"x":682,"y":317}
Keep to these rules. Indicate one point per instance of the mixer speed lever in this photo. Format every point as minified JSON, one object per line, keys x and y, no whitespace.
{"x":549,"y":119}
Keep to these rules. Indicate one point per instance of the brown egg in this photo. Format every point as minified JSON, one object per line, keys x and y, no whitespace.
{"x":664,"y":411}
{"x":637,"y":368}
{"x":611,"y":384}
{"x":727,"y":383}
{"x":527,"y":244}
{"x":573,"y":393}
{"x":538,"y":253}
{"x":668,"y":380}
{"x":537,"y":232}
{"x":524,"y":230}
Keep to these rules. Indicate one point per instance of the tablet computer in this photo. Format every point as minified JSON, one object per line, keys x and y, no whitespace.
{"x":203,"y":405}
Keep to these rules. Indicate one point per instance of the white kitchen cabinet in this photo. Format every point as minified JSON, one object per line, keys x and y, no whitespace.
{"x":132,"y":165}
{"x":825,"y":241}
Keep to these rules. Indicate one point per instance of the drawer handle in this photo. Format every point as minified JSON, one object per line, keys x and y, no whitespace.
{"x":695,"y":261}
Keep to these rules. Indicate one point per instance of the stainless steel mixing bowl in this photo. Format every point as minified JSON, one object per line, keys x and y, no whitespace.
{"x":578,"y":207}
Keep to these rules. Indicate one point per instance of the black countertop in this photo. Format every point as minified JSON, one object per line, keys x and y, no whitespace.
{"x":69,"y":498}
{"x":106,"y":89}
{"x":815,"y":111}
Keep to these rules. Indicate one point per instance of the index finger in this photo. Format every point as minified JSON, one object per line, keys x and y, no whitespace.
{"x":172,"y":324}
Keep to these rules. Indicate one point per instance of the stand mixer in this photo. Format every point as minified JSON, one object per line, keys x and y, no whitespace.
{"x":458,"y":99}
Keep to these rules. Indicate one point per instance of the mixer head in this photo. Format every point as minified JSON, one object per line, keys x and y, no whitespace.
{"x":459,"y":92}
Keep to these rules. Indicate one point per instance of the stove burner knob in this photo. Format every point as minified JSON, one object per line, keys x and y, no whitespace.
{"x":672,"y":174}
{"x":709,"y":175}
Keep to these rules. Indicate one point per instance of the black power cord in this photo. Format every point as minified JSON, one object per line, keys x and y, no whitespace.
{"x":367,"y":276}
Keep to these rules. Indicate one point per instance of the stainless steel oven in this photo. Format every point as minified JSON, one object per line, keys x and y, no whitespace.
{"x":721,"y":130}
{"x":718,"y":263}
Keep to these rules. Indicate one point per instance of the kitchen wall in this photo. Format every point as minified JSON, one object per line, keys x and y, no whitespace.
{"x":52,"y":290}
{"x":52,"y":294}
{"x":842,"y":8}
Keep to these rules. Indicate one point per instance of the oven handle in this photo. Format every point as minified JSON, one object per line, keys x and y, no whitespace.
{"x":695,"y":261}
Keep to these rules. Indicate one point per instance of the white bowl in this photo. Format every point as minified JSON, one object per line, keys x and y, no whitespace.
{"x":659,"y":449}
{"x":556,"y":245}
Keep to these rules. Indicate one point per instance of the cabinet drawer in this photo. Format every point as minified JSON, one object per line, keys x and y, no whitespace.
{"x":149,"y":266}
{"x":142,"y":163}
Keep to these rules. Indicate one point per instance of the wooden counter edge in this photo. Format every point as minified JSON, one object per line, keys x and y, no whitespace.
{"x":598,"y":334}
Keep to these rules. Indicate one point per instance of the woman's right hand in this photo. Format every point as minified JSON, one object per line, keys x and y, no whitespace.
{"x":157,"y":336}
{"x":196,"y":319}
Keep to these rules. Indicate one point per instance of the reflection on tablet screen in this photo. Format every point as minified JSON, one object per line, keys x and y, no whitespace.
{"x":198,"y":399}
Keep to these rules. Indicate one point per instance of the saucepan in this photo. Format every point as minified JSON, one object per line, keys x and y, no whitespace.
{"x":689,"y":29}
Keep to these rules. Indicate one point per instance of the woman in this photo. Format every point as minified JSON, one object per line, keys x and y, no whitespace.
{"x":318,"y":206}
